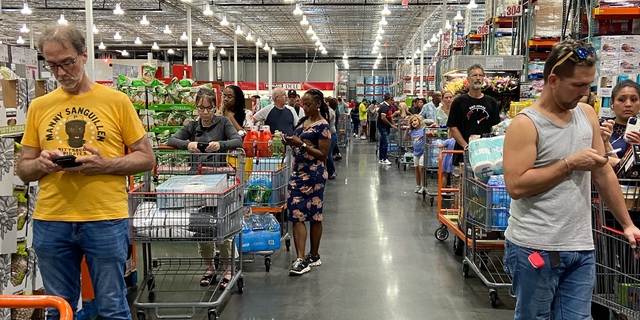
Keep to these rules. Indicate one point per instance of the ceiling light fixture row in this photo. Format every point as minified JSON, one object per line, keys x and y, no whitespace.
{"x":304,"y":22}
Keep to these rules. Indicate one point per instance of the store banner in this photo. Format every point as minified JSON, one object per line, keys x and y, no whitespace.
{"x":17,"y":55}
{"x":4,"y":53}
{"x":251,"y":86}
{"x":286,"y":86}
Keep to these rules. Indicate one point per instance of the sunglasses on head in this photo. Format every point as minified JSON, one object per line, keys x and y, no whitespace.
{"x":575,"y":55}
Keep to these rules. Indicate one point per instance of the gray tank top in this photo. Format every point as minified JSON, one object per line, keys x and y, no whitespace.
{"x":558,"y":219}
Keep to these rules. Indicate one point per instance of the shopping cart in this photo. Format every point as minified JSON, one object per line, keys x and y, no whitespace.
{"x":449,"y":217}
{"x":344,"y":130}
{"x":266,"y":191}
{"x":486,"y":215}
{"x":38,"y":301}
{"x":432,"y":162}
{"x":393,"y":149}
{"x":210,"y":212}
{"x":617,"y":285}
{"x":405,"y":147}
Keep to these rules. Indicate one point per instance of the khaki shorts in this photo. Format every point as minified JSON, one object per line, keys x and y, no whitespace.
{"x":418,"y":161}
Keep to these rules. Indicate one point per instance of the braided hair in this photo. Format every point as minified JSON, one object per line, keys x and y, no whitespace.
{"x":238,"y":110}
{"x":324,"y":108}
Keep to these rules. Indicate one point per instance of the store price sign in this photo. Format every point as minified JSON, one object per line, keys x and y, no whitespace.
{"x":483,"y":29}
{"x":445,"y":52}
{"x":461,"y":43}
{"x":513,"y":11}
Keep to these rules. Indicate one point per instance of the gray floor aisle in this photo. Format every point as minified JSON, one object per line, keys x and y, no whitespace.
{"x":380,"y":259}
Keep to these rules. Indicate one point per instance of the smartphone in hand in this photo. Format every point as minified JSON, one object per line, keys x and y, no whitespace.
{"x":202,"y":146}
{"x":66,"y":161}
{"x":632,"y":125}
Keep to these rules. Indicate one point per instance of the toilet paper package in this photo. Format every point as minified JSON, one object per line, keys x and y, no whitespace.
{"x":485,"y":157}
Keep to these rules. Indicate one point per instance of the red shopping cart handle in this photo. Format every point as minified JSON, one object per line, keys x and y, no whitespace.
{"x":619,"y":232}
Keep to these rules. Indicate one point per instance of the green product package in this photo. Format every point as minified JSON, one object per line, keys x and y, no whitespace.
{"x":19,"y":264}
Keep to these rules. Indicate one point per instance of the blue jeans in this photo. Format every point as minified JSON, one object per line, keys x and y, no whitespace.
{"x":60,"y":247}
{"x":563,"y":292}
{"x":331,"y":167}
{"x":384,"y":142}
{"x":356,"y":123}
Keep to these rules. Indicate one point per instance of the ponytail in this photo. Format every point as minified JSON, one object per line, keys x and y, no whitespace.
{"x":324,"y":108}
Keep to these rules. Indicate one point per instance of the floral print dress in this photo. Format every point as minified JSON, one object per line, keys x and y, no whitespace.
{"x":308,"y":175}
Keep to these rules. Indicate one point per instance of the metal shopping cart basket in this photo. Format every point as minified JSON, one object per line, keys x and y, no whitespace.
{"x":431,"y":162}
{"x":37,"y":301}
{"x":617,"y":285}
{"x":393,"y":149}
{"x":344,"y":130}
{"x":208,"y":210}
{"x":486,"y":217}
{"x":266,"y":191}
{"x":405,"y":147}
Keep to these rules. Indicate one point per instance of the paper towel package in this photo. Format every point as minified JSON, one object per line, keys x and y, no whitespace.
{"x":485,"y":157}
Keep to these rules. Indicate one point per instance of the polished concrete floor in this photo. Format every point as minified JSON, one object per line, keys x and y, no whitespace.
{"x":380,"y":259}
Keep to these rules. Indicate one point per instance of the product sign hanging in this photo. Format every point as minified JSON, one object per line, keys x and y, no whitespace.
{"x":495,"y":63}
{"x":460,"y":43}
{"x":513,"y":11}
{"x":4,"y":53}
{"x":483,"y":29}
{"x":445,"y":52}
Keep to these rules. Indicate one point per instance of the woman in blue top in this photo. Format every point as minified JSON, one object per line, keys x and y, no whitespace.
{"x":625,"y":103}
{"x":415,"y":132}
{"x":310,"y":142}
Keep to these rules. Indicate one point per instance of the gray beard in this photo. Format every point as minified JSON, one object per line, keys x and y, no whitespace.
{"x":476,"y":86}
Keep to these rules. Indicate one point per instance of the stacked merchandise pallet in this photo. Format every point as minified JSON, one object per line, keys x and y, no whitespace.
{"x":359,"y":88}
{"x":369,"y":89}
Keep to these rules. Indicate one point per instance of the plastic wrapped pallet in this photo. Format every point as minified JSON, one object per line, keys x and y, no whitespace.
{"x":503,"y":46}
{"x":547,"y":19}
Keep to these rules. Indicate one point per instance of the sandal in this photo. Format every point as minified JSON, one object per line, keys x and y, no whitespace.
{"x":225,"y":280}
{"x":207,"y":279}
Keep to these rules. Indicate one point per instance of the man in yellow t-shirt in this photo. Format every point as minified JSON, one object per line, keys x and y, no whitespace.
{"x":363,"y":119}
{"x":82,"y":210}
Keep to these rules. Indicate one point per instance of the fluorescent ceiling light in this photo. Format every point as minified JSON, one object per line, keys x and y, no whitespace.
{"x":380,"y":30}
{"x":273,"y":51}
{"x":377,"y":43}
{"x":249,"y":37}
{"x":266,"y":47}
{"x":184,"y":37}
{"x":166,"y":29}
{"x":434,"y":39}
{"x":170,"y":51}
{"x":207,"y":10}
{"x":94,"y":29}
{"x":314,"y":37}
{"x":118,"y":10}
{"x":427,"y":45}
{"x":211,"y":46}
{"x":375,"y":67}
{"x":345,"y":56}
{"x":378,"y":37}
{"x":259,"y":42}
{"x":380,"y":56}
{"x":137,"y":41}
{"x":383,"y":21}
{"x":324,"y":51}
{"x":62,"y":21}
{"x":20,"y":40}
{"x":418,"y":51}
{"x":458,"y":16}
{"x":222,"y":52}
{"x":25,"y":9}
{"x":117,"y":36}
{"x":199,"y":42}
{"x":310,"y":30}
{"x":375,"y":50}
{"x":304,"y":21}
{"x":239,"y":30}
{"x":125,"y":53}
{"x":472,"y":5}
{"x":440,"y":32}
{"x":447,"y":25}
{"x":224,"y":21}
{"x":144,"y":20}
{"x":297,"y":11}
{"x":155,"y":46}
{"x":24,"y":29}
{"x":385,"y":11}
{"x":101,"y":46}
{"x":318,"y":43}
{"x":321,"y":48}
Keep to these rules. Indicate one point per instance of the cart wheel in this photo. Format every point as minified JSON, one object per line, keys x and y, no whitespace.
{"x":152,"y":297}
{"x":405,"y":167}
{"x":240,"y":285}
{"x":493,"y":295}
{"x":424,"y":196}
{"x":442,"y":233}
{"x":431,"y":201}
{"x":213,"y":315}
{"x":287,"y":243}
{"x":140,"y":315}
{"x":458,"y":246}
{"x":465,"y":269}
{"x":267,"y":263}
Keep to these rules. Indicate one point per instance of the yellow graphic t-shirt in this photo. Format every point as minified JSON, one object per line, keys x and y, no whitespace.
{"x":102,"y":118}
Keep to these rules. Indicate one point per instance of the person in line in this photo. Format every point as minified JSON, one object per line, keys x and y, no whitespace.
{"x":255,"y":104}
{"x":363,"y":119}
{"x":414,"y":109}
{"x":294,"y":102}
{"x":473,"y":113}
{"x":428,"y":111}
{"x":350,"y":106}
{"x":310,"y":143}
{"x":372,"y":118}
{"x":403,"y":112}
{"x":278,"y":116}
{"x":442,"y":112}
{"x":355,"y":118}
{"x":333,"y":106}
{"x":447,"y":158}
{"x":233,"y":107}
{"x":551,"y":190}
{"x":384,"y":127}
{"x":83,"y":210}
{"x":415,"y":133}
{"x":625,"y":103}
{"x":341,"y":105}
{"x":335,"y":153}
{"x":220,"y":134}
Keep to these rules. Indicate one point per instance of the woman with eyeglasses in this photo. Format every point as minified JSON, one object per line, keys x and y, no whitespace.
{"x":220,"y":135}
{"x":233,"y":106}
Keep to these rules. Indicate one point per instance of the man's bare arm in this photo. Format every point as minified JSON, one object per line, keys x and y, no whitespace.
{"x":455,"y":133}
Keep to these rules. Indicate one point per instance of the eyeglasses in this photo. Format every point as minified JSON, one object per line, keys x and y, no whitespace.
{"x":208,"y":109}
{"x":580,"y":54}
{"x":66,"y":66}
{"x":230,"y":96}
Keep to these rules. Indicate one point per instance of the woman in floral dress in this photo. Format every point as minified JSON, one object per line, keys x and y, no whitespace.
{"x":311,"y":142}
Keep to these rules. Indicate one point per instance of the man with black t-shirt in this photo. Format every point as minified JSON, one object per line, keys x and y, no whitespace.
{"x":294,"y":102}
{"x":473,"y":113}
{"x":384,"y":125}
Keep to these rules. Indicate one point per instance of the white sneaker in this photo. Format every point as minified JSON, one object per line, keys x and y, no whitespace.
{"x":421,"y":191}
{"x":380,"y":161}
{"x":386,"y":162}
{"x":417,"y":190}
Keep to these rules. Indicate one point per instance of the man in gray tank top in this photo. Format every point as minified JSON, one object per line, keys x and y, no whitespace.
{"x":552,"y":153}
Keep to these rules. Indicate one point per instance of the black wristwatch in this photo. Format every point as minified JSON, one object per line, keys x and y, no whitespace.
{"x":303,"y":146}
